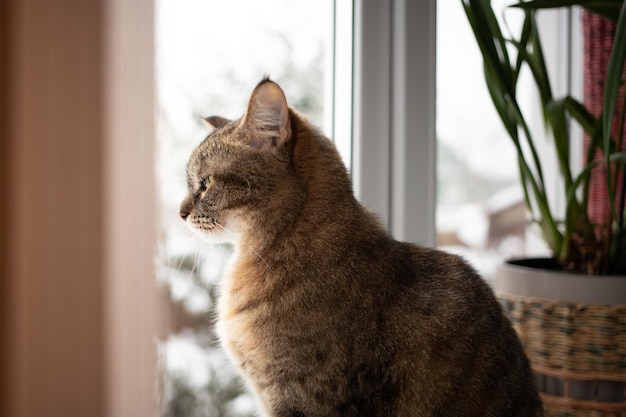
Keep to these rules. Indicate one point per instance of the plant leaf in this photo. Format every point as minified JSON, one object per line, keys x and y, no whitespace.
{"x":489,"y":37}
{"x":580,"y":113}
{"x":556,"y":116}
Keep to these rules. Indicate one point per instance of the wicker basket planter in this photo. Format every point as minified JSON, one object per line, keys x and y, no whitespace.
{"x":573,"y":328}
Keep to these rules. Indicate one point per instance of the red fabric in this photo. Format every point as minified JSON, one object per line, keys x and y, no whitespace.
{"x":598,"y":33}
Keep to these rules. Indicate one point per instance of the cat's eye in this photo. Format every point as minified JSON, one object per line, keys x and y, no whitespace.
{"x":206,"y":182}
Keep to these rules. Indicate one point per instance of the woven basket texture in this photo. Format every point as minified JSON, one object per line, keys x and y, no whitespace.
{"x":570,"y":341}
{"x":578,"y":338}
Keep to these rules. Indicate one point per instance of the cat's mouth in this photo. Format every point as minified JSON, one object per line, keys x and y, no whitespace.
{"x":203,"y":224}
{"x":202,"y":227}
{"x":209,"y":229}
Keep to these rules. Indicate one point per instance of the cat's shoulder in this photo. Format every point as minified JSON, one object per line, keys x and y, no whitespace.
{"x":435,"y":268}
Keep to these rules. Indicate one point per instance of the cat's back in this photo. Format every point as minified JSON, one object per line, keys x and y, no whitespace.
{"x":454,"y":335}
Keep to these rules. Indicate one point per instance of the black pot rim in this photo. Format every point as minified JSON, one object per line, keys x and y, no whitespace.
{"x":539,"y":263}
{"x":551,"y":264}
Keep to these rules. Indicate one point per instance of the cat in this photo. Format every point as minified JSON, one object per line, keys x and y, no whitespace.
{"x":322,"y":311}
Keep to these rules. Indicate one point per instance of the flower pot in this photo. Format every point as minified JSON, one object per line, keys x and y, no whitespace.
{"x":573,"y":329}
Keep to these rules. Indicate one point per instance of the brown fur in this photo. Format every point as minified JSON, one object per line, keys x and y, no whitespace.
{"x":322,"y":311}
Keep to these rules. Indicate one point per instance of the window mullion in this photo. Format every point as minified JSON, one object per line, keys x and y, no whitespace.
{"x":393,"y":161}
{"x":371,"y":150}
{"x":413,"y":121}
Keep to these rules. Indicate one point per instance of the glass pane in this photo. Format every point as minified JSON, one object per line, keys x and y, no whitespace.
{"x":480,"y":208}
{"x":210,"y":55}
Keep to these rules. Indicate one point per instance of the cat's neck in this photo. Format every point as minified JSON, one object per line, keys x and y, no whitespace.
{"x":318,"y":204}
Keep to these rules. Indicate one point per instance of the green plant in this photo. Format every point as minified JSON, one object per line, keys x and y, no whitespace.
{"x":575,"y":241}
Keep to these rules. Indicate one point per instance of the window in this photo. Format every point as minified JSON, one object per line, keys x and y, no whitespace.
{"x":480,"y":208}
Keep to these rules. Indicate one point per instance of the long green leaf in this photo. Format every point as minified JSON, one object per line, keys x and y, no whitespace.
{"x":556,"y":115}
{"x":580,"y":113}
{"x":551,"y":233}
{"x":502,"y":104}
{"x":529,"y":51}
{"x":501,"y":99}
{"x":533,"y":187}
{"x":523,"y":44}
{"x":489,"y":37}
{"x":619,"y":157}
{"x":539,"y":62}
{"x":593,"y":127}
{"x":533,"y":56}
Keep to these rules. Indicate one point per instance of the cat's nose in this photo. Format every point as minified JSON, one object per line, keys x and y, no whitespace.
{"x":185,"y":208}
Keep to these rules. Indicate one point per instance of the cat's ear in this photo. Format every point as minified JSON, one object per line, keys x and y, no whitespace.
{"x":215,"y":122}
{"x":267,"y":121}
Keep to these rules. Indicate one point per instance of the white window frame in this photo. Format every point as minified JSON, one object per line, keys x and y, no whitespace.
{"x":393,"y":159}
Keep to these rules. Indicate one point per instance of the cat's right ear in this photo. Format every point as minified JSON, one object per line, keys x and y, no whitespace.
{"x":267,"y":120}
{"x":215,"y":122}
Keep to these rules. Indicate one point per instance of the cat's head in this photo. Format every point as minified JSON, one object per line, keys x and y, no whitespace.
{"x":233,"y":175}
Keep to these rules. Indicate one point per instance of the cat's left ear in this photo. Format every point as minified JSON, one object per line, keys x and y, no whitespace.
{"x":215,"y":122}
{"x":267,"y":119}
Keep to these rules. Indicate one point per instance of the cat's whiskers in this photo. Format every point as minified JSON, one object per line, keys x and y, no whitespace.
{"x":198,"y":248}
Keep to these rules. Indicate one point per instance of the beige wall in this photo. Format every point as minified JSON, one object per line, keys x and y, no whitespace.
{"x":79,"y":310}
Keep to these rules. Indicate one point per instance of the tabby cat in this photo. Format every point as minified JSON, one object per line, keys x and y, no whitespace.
{"x":321,"y":310}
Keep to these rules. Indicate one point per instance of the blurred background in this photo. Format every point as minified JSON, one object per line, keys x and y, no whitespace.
{"x":210,"y":55}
